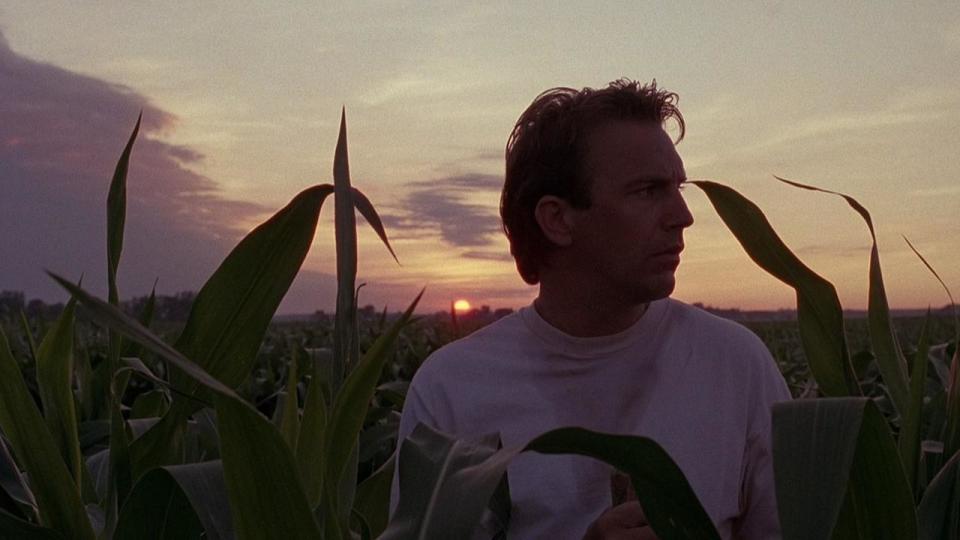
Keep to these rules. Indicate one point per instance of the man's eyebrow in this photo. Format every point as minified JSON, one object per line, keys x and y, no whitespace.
{"x":656,"y":179}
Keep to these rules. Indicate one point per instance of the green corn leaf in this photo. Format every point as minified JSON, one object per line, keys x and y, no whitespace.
{"x":195,"y":500}
{"x":370,"y":214}
{"x":232,"y":312}
{"x":31,"y":344}
{"x":838,"y":473}
{"x":36,"y":450}
{"x":88,"y":399}
{"x":939,"y":510}
{"x":310,"y":446}
{"x":951,"y":427}
{"x":350,"y":408}
{"x":54,"y":380}
{"x":267,"y":500}
{"x":14,"y":527}
{"x":819,"y":313}
{"x":345,"y":341}
{"x":373,"y":497}
{"x":120,"y":475}
{"x":233,"y":309}
{"x":910,"y":439}
{"x":15,"y":497}
{"x":953,"y":303}
{"x":117,"y":213}
{"x":670,"y":504}
{"x":116,"y":217}
{"x":152,"y":404}
{"x":445,"y":483}
{"x":883,"y":339}
{"x":111,"y":317}
{"x":290,"y":421}
{"x":146,"y":317}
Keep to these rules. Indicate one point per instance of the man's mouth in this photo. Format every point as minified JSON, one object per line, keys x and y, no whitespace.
{"x":674,"y":250}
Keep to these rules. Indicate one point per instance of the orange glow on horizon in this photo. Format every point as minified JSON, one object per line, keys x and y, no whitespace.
{"x":461,"y":305}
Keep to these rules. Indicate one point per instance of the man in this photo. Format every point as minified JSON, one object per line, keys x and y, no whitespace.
{"x":593,"y":209}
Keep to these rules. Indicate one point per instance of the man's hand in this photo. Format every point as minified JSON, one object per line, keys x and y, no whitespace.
{"x":622,"y":522}
{"x":625,"y":520}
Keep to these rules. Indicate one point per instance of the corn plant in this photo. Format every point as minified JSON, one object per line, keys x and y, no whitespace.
{"x":842,"y":470}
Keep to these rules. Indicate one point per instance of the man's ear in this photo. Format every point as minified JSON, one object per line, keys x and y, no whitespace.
{"x":555,"y":218}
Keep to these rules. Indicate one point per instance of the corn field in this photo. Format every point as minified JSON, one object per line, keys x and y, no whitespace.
{"x":229,"y":426}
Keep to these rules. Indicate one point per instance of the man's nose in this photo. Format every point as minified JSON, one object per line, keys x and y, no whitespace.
{"x":678,"y":215}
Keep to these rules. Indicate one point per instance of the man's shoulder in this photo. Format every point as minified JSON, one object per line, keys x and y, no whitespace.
{"x":704,"y":323}
{"x":478,"y":350}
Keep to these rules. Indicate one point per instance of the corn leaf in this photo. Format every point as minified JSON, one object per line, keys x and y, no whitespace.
{"x":14,"y":527}
{"x":15,"y":498}
{"x":939,"y":510}
{"x":120,"y":474}
{"x":267,"y":500}
{"x":54,"y":378}
{"x":36,"y":450}
{"x":133,"y":349}
{"x":117,"y":214}
{"x":111,"y":317}
{"x":670,"y":504}
{"x":233,"y":309}
{"x":348,"y":412}
{"x":345,"y":342}
{"x":231,"y":313}
{"x":953,"y":303}
{"x":910,"y":439}
{"x":31,"y":344}
{"x":883,"y":339}
{"x":141,"y":519}
{"x":951,"y":427}
{"x":152,"y":404}
{"x":290,"y":421}
{"x":446,"y":483}
{"x":819,"y":313}
{"x":370,"y":214}
{"x":837,"y":471}
{"x":373,"y":497}
{"x":194,"y":497}
{"x":310,"y":446}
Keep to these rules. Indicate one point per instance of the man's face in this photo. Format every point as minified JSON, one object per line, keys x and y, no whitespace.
{"x":631,"y":236}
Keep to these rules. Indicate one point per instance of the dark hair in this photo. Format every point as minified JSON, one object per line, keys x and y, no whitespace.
{"x":546,"y":148}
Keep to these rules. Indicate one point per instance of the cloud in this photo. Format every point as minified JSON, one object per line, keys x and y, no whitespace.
{"x":487,"y":255}
{"x":61,"y":134}
{"x":440,"y":206}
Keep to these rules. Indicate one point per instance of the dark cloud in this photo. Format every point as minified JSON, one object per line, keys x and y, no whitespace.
{"x":487,"y":255}
{"x":60,"y":136}
{"x":440,"y":207}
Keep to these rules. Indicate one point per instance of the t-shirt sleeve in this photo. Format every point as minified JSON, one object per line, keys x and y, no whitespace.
{"x":759,"y":519}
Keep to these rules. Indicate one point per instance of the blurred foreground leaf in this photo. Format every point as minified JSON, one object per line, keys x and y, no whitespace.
{"x":56,"y":493}
{"x":838,"y":474}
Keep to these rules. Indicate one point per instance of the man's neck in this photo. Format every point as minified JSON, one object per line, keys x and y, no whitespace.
{"x":586,"y":317}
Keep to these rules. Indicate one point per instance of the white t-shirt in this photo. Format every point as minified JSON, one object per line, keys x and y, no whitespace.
{"x":699,"y":385}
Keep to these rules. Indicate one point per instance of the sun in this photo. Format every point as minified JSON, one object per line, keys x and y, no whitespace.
{"x":461,"y":305}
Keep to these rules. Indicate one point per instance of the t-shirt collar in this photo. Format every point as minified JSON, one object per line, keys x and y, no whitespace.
{"x":565,"y":344}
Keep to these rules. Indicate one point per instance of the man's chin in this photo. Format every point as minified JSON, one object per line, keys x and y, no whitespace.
{"x":658,"y":290}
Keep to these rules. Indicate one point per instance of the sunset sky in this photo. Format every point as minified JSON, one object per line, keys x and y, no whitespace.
{"x":241,"y":103}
